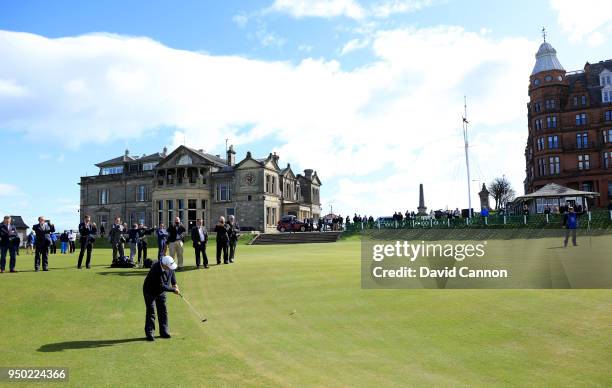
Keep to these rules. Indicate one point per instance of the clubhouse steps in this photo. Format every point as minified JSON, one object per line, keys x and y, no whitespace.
{"x":296,"y":238}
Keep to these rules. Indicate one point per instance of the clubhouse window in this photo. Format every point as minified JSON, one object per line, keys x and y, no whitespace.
{"x":607,"y":159}
{"x":104,"y":197}
{"x":582,"y":140}
{"x":581,"y":119}
{"x":584,"y":162}
{"x":554,"y":165}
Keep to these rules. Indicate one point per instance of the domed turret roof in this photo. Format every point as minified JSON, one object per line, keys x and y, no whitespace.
{"x":546,"y":59}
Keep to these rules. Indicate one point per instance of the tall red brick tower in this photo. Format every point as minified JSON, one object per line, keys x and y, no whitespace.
{"x":570,"y":126}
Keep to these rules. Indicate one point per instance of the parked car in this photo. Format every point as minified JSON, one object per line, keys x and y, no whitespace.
{"x":290,"y":223}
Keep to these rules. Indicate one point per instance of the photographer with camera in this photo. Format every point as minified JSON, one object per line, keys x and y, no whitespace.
{"x":42,"y":231}
{"x":88,"y":231}
{"x":143,"y":244}
{"x":9,"y":241}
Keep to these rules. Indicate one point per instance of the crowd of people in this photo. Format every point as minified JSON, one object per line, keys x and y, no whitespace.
{"x":42,"y":241}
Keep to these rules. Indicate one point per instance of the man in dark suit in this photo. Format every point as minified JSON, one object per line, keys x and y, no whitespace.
{"x":142,"y":243}
{"x":233,"y":232}
{"x":222,"y":240}
{"x":9,"y":241}
{"x":42,"y":231}
{"x":116,"y":239}
{"x":176,"y":235}
{"x":88,"y":231}
{"x":199,"y":236}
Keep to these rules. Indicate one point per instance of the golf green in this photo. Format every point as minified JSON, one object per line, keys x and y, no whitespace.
{"x":295,"y":315}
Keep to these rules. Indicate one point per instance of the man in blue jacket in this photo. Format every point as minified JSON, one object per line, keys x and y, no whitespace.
{"x":570,"y":221}
{"x":159,"y":280}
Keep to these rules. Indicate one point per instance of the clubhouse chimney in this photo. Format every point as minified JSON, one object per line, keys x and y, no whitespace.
{"x":231,"y":156}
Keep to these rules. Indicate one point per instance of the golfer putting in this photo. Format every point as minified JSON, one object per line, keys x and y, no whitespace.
{"x":159,"y":280}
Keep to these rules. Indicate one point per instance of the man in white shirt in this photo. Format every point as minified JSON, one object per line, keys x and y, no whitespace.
{"x":199,"y":236}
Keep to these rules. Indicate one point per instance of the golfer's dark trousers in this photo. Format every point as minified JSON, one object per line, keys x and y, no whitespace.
{"x":41,"y":252}
{"x":85,"y":247}
{"x":201,"y":250}
{"x":567,"y":234}
{"x":12,"y":251}
{"x":232,"y":249}
{"x":159,"y":302}
{"x":142,"y":250}
{"x":222,"y":247}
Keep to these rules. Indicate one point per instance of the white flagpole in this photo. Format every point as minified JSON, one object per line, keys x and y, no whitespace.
{"x":467,"y":158}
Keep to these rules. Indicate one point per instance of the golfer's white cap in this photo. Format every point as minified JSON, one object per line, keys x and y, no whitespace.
{"x":168,"y":261}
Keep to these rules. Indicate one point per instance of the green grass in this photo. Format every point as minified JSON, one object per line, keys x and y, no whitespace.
{"x":340,"y":335}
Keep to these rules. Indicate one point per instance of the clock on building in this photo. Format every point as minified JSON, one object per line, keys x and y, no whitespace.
{"x":249,"y":178}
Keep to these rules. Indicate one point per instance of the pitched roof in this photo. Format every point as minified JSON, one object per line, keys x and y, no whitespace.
{"x":116,"y":161}
{"x":213,"y":158}
{"x":18,"y":222}
{"x":555,"y":190}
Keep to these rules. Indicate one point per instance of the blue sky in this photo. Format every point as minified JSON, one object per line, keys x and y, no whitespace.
{"x":367,"y":93}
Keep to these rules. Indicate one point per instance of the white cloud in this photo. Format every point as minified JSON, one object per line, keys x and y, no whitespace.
{"x":588,"y":20}
{"x":319,"y":8}
{"x":397,"y":116}
{"x":9,"y":190}
{"x":9,"y":88}
{"x":354,"y":44}
{"x":351,"y":9}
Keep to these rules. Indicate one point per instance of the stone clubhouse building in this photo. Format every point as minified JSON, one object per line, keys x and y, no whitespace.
{"x":191,"y":184}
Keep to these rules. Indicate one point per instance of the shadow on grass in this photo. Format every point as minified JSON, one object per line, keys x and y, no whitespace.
{"x":61,"y":346}
{"x":125,"y":272}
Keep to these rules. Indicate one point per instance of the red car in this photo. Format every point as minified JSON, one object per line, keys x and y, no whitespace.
{"x":291,"y":224}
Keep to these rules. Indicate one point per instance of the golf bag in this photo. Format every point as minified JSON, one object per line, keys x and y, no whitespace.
{"x":122,"y":262}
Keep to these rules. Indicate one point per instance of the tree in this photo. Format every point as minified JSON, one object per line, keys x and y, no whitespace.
{"x":502,"y":192}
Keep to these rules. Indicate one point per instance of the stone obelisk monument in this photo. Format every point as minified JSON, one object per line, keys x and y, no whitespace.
{"x":422,"y":208}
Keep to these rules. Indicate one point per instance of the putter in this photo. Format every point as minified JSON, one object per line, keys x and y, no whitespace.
{"x":200,"y":316}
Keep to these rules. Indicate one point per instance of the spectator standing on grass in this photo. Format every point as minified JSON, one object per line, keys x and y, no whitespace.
{"x":143,"y":232}
{"x":102,"y":230}
{"x":320,"y":224}
{"x":570,"y":222}
{"x":133,"y":241}
{"x":116,"y":239}
{"x":199,"y":237}
{"x":176,"y":235}
{"x":9,"y":241}
{"x":30,"y":243}
{"x":43,"y":231}
{"x":88,"y":232}
{"x":71,"y":241}
{"x":64,"y":242}
{"x":53,"y":246}
{"x":222,"y":241}
{"x":162,"y":240}
{"x":233,"y":231}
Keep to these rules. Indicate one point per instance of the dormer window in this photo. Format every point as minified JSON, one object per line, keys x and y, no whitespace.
{"x":606,"y":83}
{"x":112,"y":170}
